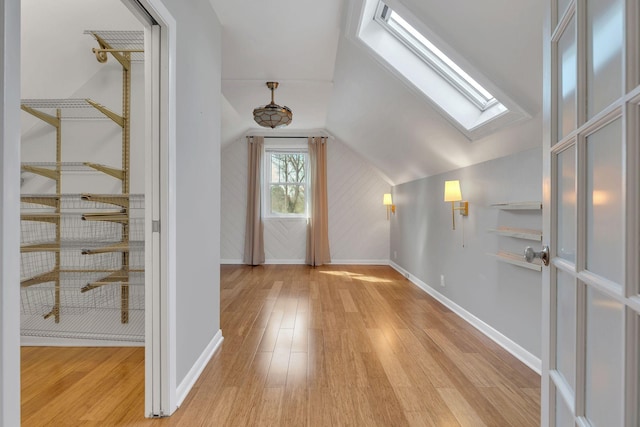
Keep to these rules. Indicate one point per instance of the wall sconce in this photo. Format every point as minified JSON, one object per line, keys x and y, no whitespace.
{"x":386,"y":200}
{"x":452,"y":194}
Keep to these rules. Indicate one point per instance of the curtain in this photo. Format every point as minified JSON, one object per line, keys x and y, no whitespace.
{"x":318,"y":225}
{"x":254,"y":233}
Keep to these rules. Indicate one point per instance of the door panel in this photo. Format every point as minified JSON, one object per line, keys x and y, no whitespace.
{"x":604,"y":395}
{"x":605,"y":26}
{"x":566,"y":328}
{"x":604,"y":205}
{"x":566,"y":202}
{"x":567,"y":80}
{"x":564,"y":416}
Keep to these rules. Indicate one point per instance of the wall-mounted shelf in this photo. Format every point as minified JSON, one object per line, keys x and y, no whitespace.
{"x":518,"y":206}
{"x":518,"y":233}
{"x":515,"y":259}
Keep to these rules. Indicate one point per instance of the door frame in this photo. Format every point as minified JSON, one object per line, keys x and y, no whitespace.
{"x":160,"y":226}
{"x":10,"y":213}
{"x":160,"y":371}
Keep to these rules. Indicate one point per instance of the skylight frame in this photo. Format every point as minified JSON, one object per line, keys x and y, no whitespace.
{"x":391,"y":21}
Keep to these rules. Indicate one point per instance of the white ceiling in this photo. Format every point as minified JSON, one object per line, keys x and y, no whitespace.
{"x":332,"y":82}
{"x":327,"y":78}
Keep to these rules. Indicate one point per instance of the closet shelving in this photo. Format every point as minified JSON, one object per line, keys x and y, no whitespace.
{"x":84,"y":252}
{"x":518,"y":233}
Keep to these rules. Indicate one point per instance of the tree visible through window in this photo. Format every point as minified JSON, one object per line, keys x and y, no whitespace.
{"x":287,"y":183}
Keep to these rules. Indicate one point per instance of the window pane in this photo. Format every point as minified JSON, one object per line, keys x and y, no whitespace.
{"x":562,"y":7}
{"x":564,"y":417}
{"x":567,"y":77}
{"x":566,"y":233}
{"x":605,"y":360}
{"x":605,"y":24}
{"x":605,"y":202}
{"x":278,"y":198}
{"x":566,"y":328}
{"x":288,"y":199}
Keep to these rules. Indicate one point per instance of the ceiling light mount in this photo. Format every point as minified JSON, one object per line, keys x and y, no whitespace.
{"x":272,"y":115}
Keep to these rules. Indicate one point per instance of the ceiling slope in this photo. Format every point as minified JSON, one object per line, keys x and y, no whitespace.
{"x":331,"y":81}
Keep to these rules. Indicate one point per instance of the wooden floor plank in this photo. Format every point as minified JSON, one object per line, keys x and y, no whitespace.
{"x":326,"y":346}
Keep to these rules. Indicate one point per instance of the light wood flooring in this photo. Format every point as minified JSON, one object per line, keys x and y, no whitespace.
{"x":331,"y":346}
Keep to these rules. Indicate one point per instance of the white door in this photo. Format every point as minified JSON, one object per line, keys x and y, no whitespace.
{"x":591,"y":305}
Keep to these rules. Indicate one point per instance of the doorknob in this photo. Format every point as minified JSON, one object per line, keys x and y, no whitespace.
{"x":530,"y":254}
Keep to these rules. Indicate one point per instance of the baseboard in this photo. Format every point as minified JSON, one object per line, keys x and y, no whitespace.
{"x":28,"y":341}
{"x":285,"y":262}
{"x":194,"y":373}
{"x":301,"y":261}
{"x":359,"y":262}
{"x":511,"y":346}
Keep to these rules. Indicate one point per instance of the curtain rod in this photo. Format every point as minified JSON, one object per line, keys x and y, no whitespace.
{"x":316,"y":133}
{"x":286,"y":137}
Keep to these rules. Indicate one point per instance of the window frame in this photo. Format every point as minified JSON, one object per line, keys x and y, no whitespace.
{"x":434,"y":58}
{"x":267,"y":182}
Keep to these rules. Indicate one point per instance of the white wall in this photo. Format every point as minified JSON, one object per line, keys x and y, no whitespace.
{"x":358,"y":229}
{"x":198,"y":99}
{"x":9,"y":213}
{"x":506,"y":297}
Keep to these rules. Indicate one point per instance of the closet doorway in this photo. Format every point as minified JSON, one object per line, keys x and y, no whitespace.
{"x":91,"y":180}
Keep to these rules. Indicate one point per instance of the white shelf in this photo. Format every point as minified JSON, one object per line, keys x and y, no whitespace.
{"x":519,"y":233}
{"x":515,"y":259}
{"x":520,"y":206}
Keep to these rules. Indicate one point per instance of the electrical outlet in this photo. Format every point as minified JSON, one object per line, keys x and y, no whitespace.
{"x":442,"y":280}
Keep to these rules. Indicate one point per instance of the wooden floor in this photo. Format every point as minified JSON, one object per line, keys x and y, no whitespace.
{"x":330,"y":346}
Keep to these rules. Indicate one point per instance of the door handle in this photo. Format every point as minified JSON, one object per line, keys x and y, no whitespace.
{"x":530,"y":254}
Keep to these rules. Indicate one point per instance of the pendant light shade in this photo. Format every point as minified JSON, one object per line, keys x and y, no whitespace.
{"x":272,"y":115}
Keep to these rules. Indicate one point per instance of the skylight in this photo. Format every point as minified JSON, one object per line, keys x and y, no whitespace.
{"x":413,"y":53}
{"x":434,"y":57}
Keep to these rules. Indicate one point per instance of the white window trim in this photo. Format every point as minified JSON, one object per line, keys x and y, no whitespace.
{"x":434,"y":57}
{"x":288,"y":148}
{"x":420,"y":78}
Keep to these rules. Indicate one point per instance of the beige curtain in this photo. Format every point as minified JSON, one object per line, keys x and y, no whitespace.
{"x":318,"y":226}
{"x":254,"y":233}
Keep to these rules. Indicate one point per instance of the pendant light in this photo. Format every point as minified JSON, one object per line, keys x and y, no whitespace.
{"x":272,"y":115}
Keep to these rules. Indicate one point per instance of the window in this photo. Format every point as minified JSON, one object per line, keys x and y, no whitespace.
{"x":285,"y":183}
{"x":433,"y":57}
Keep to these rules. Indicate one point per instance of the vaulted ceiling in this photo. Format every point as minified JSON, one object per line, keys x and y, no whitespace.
{"x":332,"y":82}
{"x":329,"y":79}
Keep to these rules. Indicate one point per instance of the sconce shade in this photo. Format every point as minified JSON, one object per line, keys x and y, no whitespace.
{"x":386,"y":200}
{"x":452,"y":191}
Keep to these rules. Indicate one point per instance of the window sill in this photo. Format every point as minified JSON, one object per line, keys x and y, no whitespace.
{"x":285,"y":218}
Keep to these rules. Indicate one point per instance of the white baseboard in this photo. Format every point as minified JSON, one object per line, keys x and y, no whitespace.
{"x":194,"y":373}
{"x":511,"y":346}
{"x":359,"y":262}
{"x":267,"y":262}
{"x":28,"y":341}
{"x":285,"y":262}
{"x":301,"y":261}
